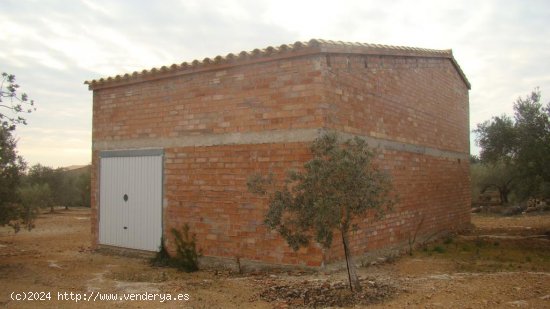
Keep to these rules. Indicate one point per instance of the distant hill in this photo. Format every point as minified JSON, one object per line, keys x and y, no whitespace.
{"x":76,"y":169}
{"x":73,"y":167}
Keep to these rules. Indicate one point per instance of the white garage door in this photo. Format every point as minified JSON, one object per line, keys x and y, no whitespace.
{"x":130,"y":199}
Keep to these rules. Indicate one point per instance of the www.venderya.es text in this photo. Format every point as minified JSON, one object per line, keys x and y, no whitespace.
{"x":97,"y":296}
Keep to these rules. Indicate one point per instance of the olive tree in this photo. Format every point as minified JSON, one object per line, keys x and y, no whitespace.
{"x":522,"y":143}
{"x":13,"y":105}
{"x":334,"y":191}
{"x":33,"y":198}
{"x":12,"y":167}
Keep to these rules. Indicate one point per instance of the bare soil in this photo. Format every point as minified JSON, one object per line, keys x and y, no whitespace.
{"x":502,"y":262}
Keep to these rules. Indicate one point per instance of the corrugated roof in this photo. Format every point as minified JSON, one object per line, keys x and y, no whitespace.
{"x":284,"y":51}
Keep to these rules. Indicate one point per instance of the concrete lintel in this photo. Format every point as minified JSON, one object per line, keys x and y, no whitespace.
{"x":131,"y":153}
{"x":264,"y":137}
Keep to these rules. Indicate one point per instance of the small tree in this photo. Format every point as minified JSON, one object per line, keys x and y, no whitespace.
{"x":522,"y":143}
{"x":498,"y":175}
{"x":33,"y":197}
{"x":337,"y":187}
{"x":186,"y":258}
{"x":11,"y":168}
{"x":12,"y":106}
{"x":43,"y":175}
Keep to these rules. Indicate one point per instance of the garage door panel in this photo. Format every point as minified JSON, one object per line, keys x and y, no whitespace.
{"x":136,"y":222}
{"x":148,"y":232}
{"x":110,"y":207}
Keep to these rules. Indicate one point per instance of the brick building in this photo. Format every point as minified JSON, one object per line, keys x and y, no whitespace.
{"x":175,"y":145}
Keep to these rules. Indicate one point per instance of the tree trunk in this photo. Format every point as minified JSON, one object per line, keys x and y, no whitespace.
{"x":354,"y":284}
{"x":504,"y":195}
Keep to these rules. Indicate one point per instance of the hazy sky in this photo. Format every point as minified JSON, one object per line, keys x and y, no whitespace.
{"x":54,"y":46}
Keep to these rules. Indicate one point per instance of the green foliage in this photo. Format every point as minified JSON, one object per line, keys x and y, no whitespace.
{"x":439,"y":249}
{"x":522,"y":143}
{"x":496,"y":137}
{"x":75,"y":187}
{"x":33,"y":197}
{"x":12,"y":102}
{"x":11,"y":168}
{"x":83,"y":187}
{"x":497,"y":175}
{"x":162,"y":257}
{"x":480,"y":254}
{"x":68,"y":187}
{"x":12,"y":105}
{"x":339,"y":184}
{"x":43,"y":175}
{"x":186,"y":258}
{"x":476,"y":174}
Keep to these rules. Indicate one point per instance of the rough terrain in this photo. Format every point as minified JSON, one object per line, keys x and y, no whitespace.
{"x":502,"y":262}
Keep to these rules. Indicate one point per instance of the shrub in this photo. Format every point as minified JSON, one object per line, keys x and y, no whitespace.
{"x":439,"y":249}
{"x":186,"y":258}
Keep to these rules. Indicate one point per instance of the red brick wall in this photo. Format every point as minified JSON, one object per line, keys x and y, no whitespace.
{"x":435,"y":189}
{"x":206,"y":188}
{"x":411,"y":100}
{"x":414,"y":100}
{"x":420,"y":101}
{"x":273,"y":95}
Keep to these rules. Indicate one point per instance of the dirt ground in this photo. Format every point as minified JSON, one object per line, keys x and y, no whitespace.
{"x":503,"y":262}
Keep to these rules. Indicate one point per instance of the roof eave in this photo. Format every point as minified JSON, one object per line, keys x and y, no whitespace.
{"x":313,"y":46}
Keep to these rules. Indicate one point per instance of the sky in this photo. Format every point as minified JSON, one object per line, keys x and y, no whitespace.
{"x":54,"y":46}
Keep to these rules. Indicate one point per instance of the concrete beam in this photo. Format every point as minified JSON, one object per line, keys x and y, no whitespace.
{"x":268,"y":137}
